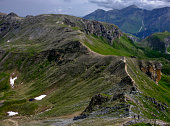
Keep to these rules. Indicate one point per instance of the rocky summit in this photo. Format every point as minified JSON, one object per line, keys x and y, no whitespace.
{"x":65,"y":70}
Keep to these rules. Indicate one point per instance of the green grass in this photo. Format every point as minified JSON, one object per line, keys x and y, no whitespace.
{"x":162,"y":35}
{"x":4,"y":82}
{"x":168,"y":49}
{"x":103,"y":48}
{"x":71,"y":89}
{"x":149,"y":88}
{"x":141,"y":124}
{"x":155,"y":41}
{"x":67,"y":93}
{"x":165,"y":82}
{"x":120,"y":47}
{"x":21,"y":106}
{"x":22,"y":45}
{"x":70,"y":84}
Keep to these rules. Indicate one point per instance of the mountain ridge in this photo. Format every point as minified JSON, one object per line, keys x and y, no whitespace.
{"x":136,"y":21}
{"x":82,"y":66}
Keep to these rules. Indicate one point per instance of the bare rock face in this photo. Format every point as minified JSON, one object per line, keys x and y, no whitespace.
{"x":160,"y":106}
{"x":108,"y":31}
{"x":9,"y":22}
{"x":96,"y":101}
{"x":152,"y":69}
{"x":99,"y":29}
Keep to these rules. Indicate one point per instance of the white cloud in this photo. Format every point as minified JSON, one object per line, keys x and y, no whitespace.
{"x":117,"y":4}
{"x":72,"y":7}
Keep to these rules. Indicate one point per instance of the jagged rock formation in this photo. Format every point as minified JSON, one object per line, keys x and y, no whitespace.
{"x":96,"y":101}
{"x":152,"y":69}
{"x":96,"y":28}
{"x":108,"y":31}
{"x":15,"y":23}
{"x":8,"y":23}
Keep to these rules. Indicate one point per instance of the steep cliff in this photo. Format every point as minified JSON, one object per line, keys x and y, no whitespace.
{"x":152,"y":69}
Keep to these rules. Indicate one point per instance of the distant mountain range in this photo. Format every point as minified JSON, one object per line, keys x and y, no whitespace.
{"x":134,"y":20}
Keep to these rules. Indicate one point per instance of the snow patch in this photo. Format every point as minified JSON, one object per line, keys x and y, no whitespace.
{"x":12,"y":81}
{"x":11,"y":113}
{"x":40,"y":97}
{"x":141,"y":26}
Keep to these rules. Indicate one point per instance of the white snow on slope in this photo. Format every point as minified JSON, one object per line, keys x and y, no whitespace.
{"x":12,"y":81}
{"x":11,"y":113}
{"x":141,"y":26}
{"x":40,"y":97}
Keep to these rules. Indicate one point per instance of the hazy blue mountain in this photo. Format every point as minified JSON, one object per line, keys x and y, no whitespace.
{"x":134,"y":20}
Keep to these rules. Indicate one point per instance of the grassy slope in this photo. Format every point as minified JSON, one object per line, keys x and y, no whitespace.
{"x":160,"y":37}
{"x":64,"y":90}
{"x":66,"y":85}
{"x":125,"y":47}
{"x":64,"y":100}
{"x":70,"y":95}
{"x":160,"y":92}
{"x":121,"y":47}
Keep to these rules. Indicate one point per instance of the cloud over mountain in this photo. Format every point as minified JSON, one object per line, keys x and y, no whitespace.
{"x":73,"y":7}
{"x":117,"y":4}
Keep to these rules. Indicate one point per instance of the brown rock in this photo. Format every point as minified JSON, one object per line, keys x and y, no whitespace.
{"x":152,"y":69}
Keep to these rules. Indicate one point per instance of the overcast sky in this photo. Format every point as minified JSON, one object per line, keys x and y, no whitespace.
{"x":73,"y":7}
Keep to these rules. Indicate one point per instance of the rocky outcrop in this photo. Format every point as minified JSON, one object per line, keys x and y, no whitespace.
{"x":9,"y":22}
{"x":11,"y":17}
{"x":157,"y":104}
{"x":99,"y":105}
{"x":96,"y":101}
{"x":152,"y":69}
{"x":97,"y":28}
{"x":13,"y":22}
{"x":133,"y":38}
{"x":108,"y":31}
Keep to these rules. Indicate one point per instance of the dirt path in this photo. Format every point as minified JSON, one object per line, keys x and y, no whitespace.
{"x":9,"y":122}
{"x":151,"y":121}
